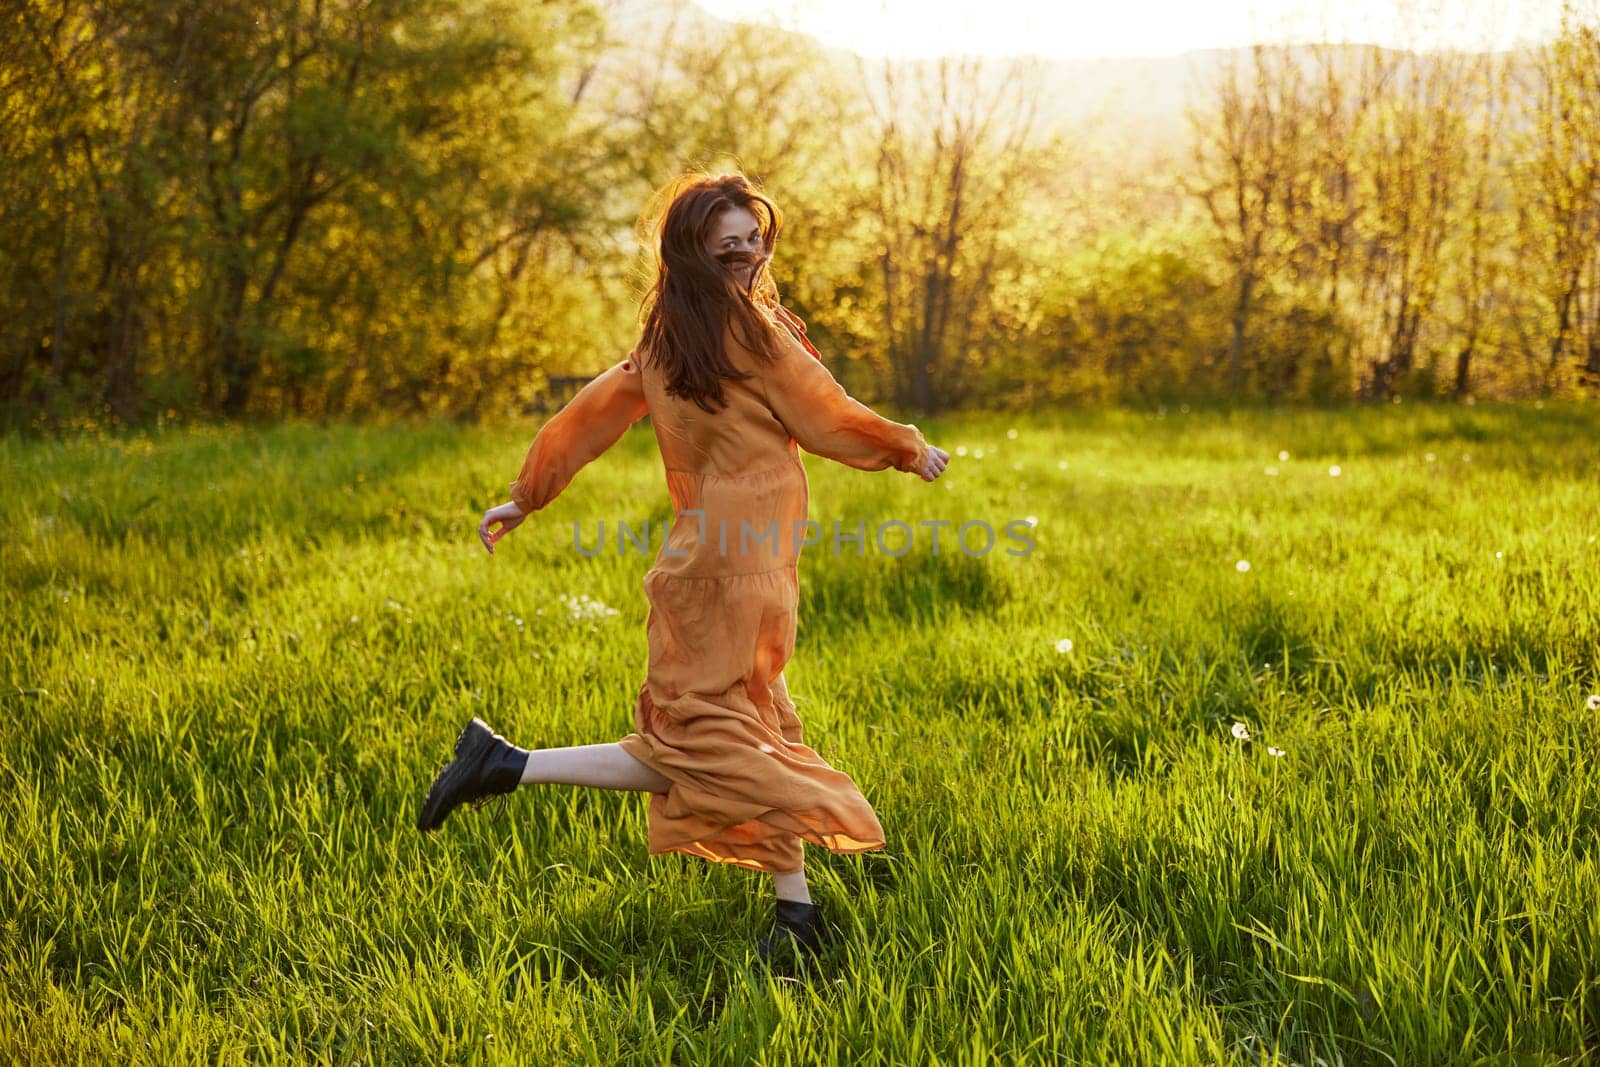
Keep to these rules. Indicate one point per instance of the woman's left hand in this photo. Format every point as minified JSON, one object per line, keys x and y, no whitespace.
{"x":509,"y":517}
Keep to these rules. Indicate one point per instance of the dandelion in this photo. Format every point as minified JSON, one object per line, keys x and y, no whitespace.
{"x":583,"y":606}
{"x":1240,"y":731}
{"x":1334,"y":471}
{"x":1593,"y":703}
{"x":1011,"y":434}
{"x":977,"y":453}
{"x":1061,"y":464}
{"x":1274,"y":751}
{"x":1430,"y":457}
{"x":1032,"y":520}
{"x":1283,"y":456}
{"x":1272,"y":472}
{"x":1064,"y":646}
{"x":1499,"y":555}
{"x":1243,"y":566}
{"x":961,"y":450}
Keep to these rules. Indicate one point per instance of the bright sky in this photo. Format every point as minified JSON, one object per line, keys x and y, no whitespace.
{"x":1071,"y":30}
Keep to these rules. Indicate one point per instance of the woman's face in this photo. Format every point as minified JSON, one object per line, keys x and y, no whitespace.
{"x":737,"y":230}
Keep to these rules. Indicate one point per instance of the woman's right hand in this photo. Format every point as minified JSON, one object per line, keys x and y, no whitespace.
{"x":508,"y":515}
{"x":935,"y":463}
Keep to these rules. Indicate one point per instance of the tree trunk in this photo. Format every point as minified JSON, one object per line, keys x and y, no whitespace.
{"x":236,"y":353}
{"x":1241,"y":322}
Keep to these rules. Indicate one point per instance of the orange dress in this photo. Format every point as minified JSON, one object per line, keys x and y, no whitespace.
{"x":713,"y":714}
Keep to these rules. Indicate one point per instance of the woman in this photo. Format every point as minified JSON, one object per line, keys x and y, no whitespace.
{"x":732,"y":385}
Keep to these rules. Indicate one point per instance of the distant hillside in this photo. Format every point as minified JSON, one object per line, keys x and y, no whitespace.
{"x":1134,"y":102}
{"x":1147,"y":93}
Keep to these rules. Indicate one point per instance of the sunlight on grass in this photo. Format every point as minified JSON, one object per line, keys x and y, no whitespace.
{"x":1310,"y":777}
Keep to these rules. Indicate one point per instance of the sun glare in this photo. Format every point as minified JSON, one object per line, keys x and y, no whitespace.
{"x":907,"y":29}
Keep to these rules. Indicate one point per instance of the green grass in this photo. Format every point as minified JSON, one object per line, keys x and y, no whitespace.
{"x":232,"y":660}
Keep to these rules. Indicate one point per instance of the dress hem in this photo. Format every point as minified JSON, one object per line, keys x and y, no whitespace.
{"x":688,"y":849}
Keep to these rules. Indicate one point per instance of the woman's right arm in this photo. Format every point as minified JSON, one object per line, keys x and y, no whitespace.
{"x":827,"y":421}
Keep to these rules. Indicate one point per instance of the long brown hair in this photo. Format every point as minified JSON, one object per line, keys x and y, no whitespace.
{"x":693,"y":294}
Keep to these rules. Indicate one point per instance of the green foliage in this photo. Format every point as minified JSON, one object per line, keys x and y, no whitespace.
{"x":232,"y":659}
{"x":311,"y":209}
{"x":1134,"y":318}
{"x":426,"y":208}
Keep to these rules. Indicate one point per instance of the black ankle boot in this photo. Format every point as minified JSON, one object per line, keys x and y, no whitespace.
{"x":797,"y":923}
{"x":485,"y":765}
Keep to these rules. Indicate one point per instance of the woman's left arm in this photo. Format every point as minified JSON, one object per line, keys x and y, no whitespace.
{"x":579,"y":433}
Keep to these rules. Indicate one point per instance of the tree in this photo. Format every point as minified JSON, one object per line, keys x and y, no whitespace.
{"x":1561,"y":204}
{"x":308,"y":205}
{"x":955,"y":142}
{"x":1251,"y":172}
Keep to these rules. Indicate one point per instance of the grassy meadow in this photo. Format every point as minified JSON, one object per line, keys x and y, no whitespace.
{"x":1248,"y":761}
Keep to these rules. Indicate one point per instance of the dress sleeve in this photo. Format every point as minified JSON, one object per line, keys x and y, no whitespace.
{"x":827,"y":421}
{"x":591,"y":422}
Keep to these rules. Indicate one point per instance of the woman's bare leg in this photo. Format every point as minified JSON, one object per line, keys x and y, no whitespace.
{"x":792,"y":886}
{"x":606,"y":766}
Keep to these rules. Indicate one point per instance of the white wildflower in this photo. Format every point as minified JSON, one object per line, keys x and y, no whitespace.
{"x":1243,"y":566}
{"x":584,"y":606}
{"x":1240,"y":731}
{"x":1065,"y":645}
{"x":1274,"y":751}
{"x":1283,"y":456}
{"x":1593,"y":703}
{"x":1334,"y":471}
{"x":1011,"y":435}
